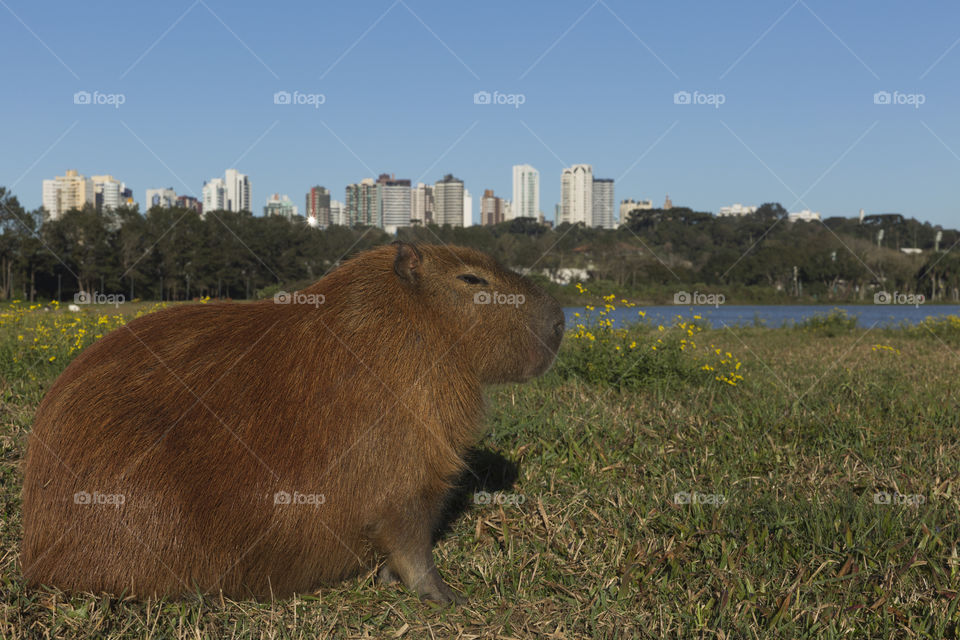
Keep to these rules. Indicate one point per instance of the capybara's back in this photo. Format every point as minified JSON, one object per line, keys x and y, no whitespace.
{"x":269,"y":448}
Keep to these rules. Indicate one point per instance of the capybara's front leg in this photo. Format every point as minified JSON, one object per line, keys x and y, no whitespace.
{"x":406,"y":541}
{"x":419,"y":573}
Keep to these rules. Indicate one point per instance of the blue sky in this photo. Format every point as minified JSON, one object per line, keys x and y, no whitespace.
{"x":798,"y":123}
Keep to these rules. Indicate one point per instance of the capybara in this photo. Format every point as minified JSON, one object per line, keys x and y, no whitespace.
{"x":270,"y":448}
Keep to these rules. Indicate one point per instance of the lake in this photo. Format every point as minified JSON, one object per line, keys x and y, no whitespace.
{"x":868,"y":315}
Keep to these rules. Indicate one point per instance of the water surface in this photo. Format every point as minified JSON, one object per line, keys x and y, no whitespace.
{"x":868,"y":315}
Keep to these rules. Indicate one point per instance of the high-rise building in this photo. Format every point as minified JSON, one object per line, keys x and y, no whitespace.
{"x":508,"y":209}
{"x":576,"y":195}
{"x":108,"y":192}
{"x":230,"y":193}
{"x":318,"y":207}
{"x":165,"y":198}
{"x":491,"y":208}
{"x":278,"y":205}
{"x":421,"y":204}
{"x":467,"y":209}
{"x":628,"y":205}
{"x":238,"y":191}
{"x":363,"y":204}
{"x":337,"y":213}
{"x":448,"y":201}
{"x":189,"y":202}
{"x":126,"y":196}
{"x":526,"y":192}
{"x":51,"y":200}
{"x":66,"y":192}
{"x":603,"y":204}
{"x":214,"y":195}
{"x":394,"y":198}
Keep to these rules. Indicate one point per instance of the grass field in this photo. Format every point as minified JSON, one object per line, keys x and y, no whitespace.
{"x":729,"y":483}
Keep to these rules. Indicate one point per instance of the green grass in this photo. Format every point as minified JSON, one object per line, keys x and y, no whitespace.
{"x":826,"y":417}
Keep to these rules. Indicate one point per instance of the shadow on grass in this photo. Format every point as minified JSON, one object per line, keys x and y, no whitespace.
{"x":486,"y":471}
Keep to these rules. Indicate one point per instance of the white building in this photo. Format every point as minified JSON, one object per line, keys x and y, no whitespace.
{"x":66,"y":192}
{"x":394,"y":203}
{"x":628,"y":205}
{"x":603,"y":204}
{"x":576,"y":195}
{"x":526,"y":193}
{"x":336,"y":213}
{"x":448,"y":201}
{"x":278,"y":205}
{"x":567,"y":275}
{"x":51,"y":199}
{"x":421,"y":204}
{"x":166,"y":198}
{"x":214,"y":195}
{"x":108,"y":192}
{"x":735,"y":210}
{"x":238,"y":191}
{"x":230,"y":193}
{"x":806,"y":216}
{"x":467,"y":209}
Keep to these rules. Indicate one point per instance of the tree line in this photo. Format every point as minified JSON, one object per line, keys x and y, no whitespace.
{"x":176,"y":254}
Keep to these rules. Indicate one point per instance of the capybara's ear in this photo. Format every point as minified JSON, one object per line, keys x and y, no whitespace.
{"x":408,"y":261}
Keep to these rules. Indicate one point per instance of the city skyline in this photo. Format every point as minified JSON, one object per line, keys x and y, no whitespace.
{"x":712,"y":120}
{"x":388,"y":202}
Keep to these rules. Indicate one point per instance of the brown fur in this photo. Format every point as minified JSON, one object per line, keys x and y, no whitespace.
{"x":198,"y":415}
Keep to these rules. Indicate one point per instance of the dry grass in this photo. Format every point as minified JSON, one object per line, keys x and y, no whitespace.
{"x":599,"y":547}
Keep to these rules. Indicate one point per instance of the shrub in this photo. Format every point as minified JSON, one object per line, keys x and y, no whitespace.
{"x":641,"y":354}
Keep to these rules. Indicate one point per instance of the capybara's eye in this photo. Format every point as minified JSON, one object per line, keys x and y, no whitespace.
{"x":469,"y":278}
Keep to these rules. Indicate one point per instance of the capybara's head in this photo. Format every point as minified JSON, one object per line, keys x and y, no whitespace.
{"x":507,"y":327}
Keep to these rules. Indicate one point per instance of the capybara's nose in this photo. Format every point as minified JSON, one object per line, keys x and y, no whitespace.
{"x":558,"y":327}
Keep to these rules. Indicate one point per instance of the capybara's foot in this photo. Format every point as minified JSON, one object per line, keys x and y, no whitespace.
{"x":443,"y":594}
{"x":386,"y":575}
{"x":432,"y":587}
{"x":418,"y":573}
